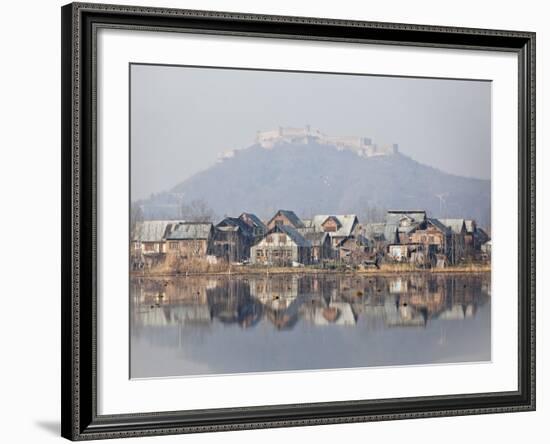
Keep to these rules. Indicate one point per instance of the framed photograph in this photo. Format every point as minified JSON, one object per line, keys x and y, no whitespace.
{"x":275,"y":221}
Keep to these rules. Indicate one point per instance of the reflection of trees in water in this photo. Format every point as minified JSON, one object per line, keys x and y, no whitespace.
{"x":324,"y":299}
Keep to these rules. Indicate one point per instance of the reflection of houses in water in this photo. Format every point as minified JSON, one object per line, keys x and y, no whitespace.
{"x":274,"y":292}
{"x":231,"y":303}
{"x":173,"y":290}
{"x":334,"y":313}
{"x":398,"y":285}
{"x":398,"y":314}
{"x":324,"y":299}
{"x":279,"y":298}
{"x":179,"y":314}
{"x":415,"y":299}
{"x":458,"y":312}
{"x":172,"y":302}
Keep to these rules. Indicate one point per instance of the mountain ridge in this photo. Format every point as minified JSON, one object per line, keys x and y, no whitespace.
{"x":320,"y":179}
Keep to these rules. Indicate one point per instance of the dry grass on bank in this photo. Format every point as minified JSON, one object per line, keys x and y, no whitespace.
{"x":199,"y":267}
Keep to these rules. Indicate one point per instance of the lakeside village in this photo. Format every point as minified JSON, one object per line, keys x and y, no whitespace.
{"x":406,"y":240}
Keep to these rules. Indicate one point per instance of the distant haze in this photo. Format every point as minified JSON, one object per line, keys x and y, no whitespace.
{"x":182,"y":118}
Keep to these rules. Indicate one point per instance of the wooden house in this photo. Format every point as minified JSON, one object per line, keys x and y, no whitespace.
{"x":148,"y":236}
{"x":435,"y":238}
{"x":339,"y":227}
{"x":321,"y":248}
{"x":376,"y":234}
{"x":255,"y":223}
{"x":232,"y":240}
{"x":354,"y":249}
{"x":189,"y":240}
{"x":283,"y":245}
{"x":285,"y":217}
{"x":402,"y":223}
{"x":458,"y":238}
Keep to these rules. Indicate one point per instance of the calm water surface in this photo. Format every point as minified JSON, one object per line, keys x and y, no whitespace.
{"x":220,"y":324}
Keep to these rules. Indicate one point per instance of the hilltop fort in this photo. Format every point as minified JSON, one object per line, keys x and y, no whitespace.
{"x":362,"y":146}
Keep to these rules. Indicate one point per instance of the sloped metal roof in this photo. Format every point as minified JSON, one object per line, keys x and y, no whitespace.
{"x":390,"y":232}
{"x":191,"y":230}
{"x":440,"y":226}
{"x":255,"y":219}
{"x":346,"y":221}
{"x":316,"y":238}
{"x":236,"y":223}
{"x":455,"y":225}
{"x":291,"y":216}
{"x":294,"y":235}
{"x":153,"y":230}
{"x":470,"y":225}
{"x":394,"y":216}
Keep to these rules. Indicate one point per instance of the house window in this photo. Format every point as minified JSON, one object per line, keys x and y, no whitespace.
{"x":259,"y":253}
{"x":282,"y":239}
{"x":173,"y":246}
{"x":269,"y":239}
{"x":432,"y":239}
{"x":149,"y":247}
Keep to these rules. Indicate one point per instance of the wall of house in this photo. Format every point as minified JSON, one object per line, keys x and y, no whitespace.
{"x":429,"y":236}
{"x":279,"y":249}
{"x":232,"y":246}
{"x":280,"y":219}
{"x":189,"y":248}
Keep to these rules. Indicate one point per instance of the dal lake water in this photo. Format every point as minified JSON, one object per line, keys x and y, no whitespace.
{"x":257,"y":323}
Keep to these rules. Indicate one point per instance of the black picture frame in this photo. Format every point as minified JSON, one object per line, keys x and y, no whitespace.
{"x":79,"y":172}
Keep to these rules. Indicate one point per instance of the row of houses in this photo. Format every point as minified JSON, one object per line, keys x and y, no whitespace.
{"x":285,"y":239}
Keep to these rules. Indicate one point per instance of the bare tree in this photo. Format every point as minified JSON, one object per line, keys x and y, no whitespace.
{"x":136,"y":215}
{"x":197,"y":211}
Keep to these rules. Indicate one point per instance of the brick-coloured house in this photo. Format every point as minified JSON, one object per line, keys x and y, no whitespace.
{"x":436,"y":239}
{"x":285,"y":217}
{"x":401,"y":223}
{"x":190,"y":240}
{"x":339,"y":227}
{"x":281,"y":246}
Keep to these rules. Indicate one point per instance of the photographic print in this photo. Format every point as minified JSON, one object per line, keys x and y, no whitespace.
{"x":293,"y":221}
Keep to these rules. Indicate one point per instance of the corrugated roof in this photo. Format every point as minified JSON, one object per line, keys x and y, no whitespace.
{"x":191,"y":230}
{"x":394,"y":216}
{"x":390,"y":231}
{"x":316,"y":238}
{"x":482,"y":233}
{"x":291,"y":232}
{"x":440,"y":226}
{"x":236,"y":223}
{"x":455,"y":225}
{"x":153,"y":230}
{"x":347,"y":222}
{"x":291,"y":216}
{"x":255,"y":219}
{"x":377,"y":227}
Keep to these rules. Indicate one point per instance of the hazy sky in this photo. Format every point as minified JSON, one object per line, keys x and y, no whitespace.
{"x":182,"y":117}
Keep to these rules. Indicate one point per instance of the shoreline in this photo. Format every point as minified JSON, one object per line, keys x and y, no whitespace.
{"x":472,"y":270}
